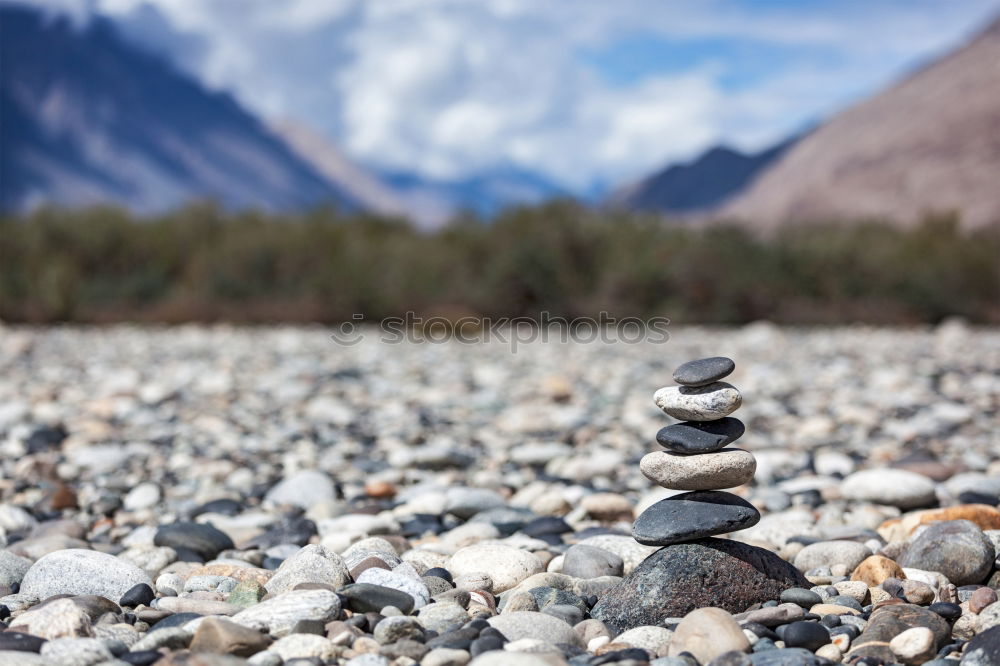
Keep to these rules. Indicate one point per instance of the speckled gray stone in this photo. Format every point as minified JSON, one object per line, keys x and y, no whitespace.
{"x":77,"y":571}
{"x":712,"y":471}
{"x":698,"y":403}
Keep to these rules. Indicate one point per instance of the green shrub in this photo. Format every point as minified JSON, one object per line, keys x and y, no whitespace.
{"x":201,"y":264}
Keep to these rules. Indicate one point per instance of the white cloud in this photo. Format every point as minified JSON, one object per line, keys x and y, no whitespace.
{"x":445,"y":87}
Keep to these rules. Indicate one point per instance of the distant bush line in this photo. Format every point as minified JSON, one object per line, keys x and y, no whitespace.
{"x":202,"y":264}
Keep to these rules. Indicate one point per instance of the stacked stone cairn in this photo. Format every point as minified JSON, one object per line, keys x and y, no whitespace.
{"x":693,"y":569}
{"x":697,"y":458}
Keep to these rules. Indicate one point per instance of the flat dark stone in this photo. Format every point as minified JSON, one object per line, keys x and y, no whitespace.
{"x":369,"y":598}
{"x":693,"y":515}
{"x":205,"y":540}
{"x":704,"y":371}
{"x":677,"y":579}
{"x":18,"y":642}
{"x":692,"y":437}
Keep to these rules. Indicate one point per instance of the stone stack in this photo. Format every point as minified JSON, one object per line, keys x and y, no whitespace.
{"x":697,"y":458}
{"x":693,"y":569}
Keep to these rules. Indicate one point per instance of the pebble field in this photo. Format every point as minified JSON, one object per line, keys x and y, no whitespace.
{"x":207,"y":496}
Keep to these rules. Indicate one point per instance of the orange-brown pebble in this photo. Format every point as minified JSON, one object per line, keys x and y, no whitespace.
{"x":380,"y":489}
{"x":874,"y":569}
{"x":984,"y":516}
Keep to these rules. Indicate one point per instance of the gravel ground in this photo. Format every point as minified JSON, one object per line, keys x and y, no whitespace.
{"x":219,"y":495}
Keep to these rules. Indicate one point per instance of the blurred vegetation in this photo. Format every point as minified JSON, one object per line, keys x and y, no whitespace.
{"x":203,"y":264}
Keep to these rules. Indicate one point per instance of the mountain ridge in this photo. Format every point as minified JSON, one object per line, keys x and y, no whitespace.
{"x":88,"y":119}
{"x":928,"y":144}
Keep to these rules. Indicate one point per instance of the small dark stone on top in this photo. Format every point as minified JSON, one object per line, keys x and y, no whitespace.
{"x":693,"y":437}
{"x":704,"y":371}
{"x":4,"y":612}
{"x":808,"y":635}
{"x":137,"y":595}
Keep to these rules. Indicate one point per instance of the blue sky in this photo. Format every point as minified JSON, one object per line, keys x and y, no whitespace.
{"x":583,"y":91}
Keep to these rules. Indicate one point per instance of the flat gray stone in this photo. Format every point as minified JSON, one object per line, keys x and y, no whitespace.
{"x":704,"y":371}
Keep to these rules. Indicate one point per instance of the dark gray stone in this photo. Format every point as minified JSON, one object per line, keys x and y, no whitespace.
{"x":677,"y":579}
{"x":800,"y":597}
{"x":371,"y":598}
{"x":137,"y":595}
{"x":15,"y":641}
{"x":808,"y":635}
{"x":692,"y":437}
{"x":956,"y":548}
{"x":205,"y":540}
{"x":704,"y":371}
{"x":700,"y":513}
